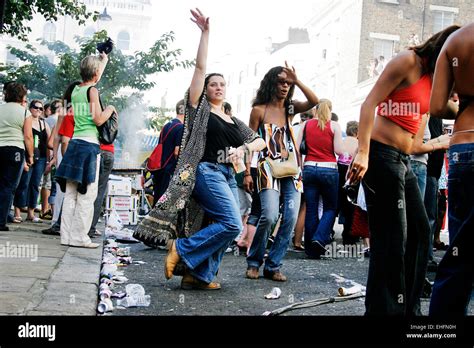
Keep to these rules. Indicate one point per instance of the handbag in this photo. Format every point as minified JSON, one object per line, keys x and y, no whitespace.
{"x":282,"y":168}
{"x":108,"y":131}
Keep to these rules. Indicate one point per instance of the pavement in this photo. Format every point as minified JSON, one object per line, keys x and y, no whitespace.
{"x":39,"y":276}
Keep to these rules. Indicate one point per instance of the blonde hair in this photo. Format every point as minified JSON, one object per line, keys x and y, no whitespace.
{"x":323,"y":112}
{"x":90,"y":65}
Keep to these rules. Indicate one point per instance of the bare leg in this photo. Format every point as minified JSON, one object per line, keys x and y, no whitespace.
{"x":299,"y":229}
{"x":44,"y":200}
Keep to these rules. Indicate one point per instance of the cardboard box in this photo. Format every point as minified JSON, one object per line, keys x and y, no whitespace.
{"x":119,"y":187}
{"x":122,"y":202}
{"x":128,"y":217}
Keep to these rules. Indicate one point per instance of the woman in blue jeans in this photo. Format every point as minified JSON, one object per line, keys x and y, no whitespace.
{"x":27,"y":192}
{"x":321,"y":177}
{"x":453,"y":284}
{"x":217,"y":141}
{"x":272,"y":114}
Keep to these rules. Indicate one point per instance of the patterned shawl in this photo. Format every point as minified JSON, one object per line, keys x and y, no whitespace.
{"x":177,"y":214}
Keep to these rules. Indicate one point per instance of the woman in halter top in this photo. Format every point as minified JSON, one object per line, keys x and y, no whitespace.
{"x":271,"y":116}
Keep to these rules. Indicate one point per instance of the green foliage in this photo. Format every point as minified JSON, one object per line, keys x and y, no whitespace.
{"x":125,"y":76}
{"x":159,"y":118}
{"x":19,"y":12}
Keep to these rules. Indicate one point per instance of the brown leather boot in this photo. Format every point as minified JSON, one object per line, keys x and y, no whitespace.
{"x":189,"y":283}
{"x":276,"y":276}
{"x":171,"y":260}
{"x":252,"y":273}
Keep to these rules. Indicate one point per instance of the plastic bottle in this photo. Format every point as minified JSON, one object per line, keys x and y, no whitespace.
{"x":134,"y":301}
{"x":134,"y":290}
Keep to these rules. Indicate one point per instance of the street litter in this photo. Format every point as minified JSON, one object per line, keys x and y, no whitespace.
{"x":350,"y":291}
{"x":134,"y":290}
{"x":139,"y":262}
{"x":120,"y":294}
{"x":123,"y":252}
{"x":119,"y":279}
{"x":274,"y":294}
{"x":105,"y":306}
{"x":134,"y":301}
{"x":345,"y":294}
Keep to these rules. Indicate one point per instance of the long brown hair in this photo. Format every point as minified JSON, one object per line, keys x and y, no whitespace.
{"x":430,"y":49}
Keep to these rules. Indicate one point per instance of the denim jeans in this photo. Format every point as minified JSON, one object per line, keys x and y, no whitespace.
{"x":431,"y":206}
{"x":399,"y":234}
{"x":453,"y":283}
{"x":106,"y":166}
{"x":10,"y":172}
{"x":419,"y":169}
{"x":27,"y":191}
{"x":216,"y":192}
{"x":319,"y":182}
{"x":270,"y":201}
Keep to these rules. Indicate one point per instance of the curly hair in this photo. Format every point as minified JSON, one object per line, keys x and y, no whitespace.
{"x":268,"y":89}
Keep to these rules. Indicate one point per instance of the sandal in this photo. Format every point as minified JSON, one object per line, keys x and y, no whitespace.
{"x":47,"y":216}
{"x":17,"y":220}
{"x":35,"y":220}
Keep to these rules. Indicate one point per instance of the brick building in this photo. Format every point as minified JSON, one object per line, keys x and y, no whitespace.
{"x":348,"y":38}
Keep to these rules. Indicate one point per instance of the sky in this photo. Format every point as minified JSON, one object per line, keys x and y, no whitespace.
{"x":236,"y":27}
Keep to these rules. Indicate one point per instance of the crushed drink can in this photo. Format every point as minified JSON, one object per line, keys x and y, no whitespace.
{"x":105,"y":306}
{"x":105,"y":294}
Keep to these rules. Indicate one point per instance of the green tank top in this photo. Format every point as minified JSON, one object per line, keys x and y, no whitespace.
{"x":84,"y":126}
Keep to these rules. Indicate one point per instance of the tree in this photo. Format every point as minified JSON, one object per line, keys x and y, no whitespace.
{"x":19,"y":12}
{"x":47,"y":80}
{"x":160,"y":117}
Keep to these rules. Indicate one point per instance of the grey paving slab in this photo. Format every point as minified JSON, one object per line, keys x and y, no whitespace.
{"x":69,"y":299}
{"x":26,"y":270}
{"x":14,"y":302}
{"x":16,"y":284}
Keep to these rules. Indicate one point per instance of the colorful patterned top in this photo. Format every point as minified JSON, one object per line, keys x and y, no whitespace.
{"x":279,"y":141}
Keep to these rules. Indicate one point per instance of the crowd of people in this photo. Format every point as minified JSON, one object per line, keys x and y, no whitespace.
{"x":262,"y":185}
{"x":54,"y":150}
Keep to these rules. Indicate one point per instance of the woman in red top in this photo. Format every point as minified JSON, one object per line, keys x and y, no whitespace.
{"x":320,"y":177}
{"x":398,"y":223}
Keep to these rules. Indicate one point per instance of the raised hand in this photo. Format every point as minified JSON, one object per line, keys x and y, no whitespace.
{"x":290,"y":73}
{"x":201,"y":21}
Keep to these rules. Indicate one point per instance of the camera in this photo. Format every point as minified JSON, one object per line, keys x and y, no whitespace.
{"x":105,"y":47}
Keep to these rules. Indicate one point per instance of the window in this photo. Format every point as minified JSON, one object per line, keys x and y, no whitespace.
{"x":89,"y":32}
{"x":49,"y":32}
{"x":384,"y":48}
{"x":442,"y":20}
{"x":123,"y":40}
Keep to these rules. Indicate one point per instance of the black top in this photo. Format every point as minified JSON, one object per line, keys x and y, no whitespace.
{"x":220,"y":136}
{"x":42,"y":138}
{"x":435,"y":159}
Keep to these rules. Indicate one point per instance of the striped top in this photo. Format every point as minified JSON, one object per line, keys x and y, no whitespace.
{"x":278,"y":142}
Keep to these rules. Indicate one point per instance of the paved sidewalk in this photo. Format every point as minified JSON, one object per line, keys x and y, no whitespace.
{"x":39,"y":276}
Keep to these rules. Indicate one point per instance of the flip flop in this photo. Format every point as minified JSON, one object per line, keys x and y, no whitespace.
{"x":35,"y":220}
{"x":17,"y":220}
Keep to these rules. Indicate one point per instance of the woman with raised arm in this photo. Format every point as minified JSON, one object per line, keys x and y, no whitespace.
{"x":212,"y":143}
{"x":399,"y":228}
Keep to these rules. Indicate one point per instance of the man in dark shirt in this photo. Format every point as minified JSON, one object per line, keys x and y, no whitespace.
{"x":173,"y":131}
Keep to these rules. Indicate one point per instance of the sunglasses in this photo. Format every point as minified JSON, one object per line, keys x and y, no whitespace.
{"x":38,"y":108}
{"x":282,"y":82}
